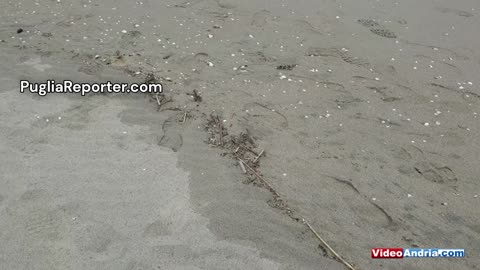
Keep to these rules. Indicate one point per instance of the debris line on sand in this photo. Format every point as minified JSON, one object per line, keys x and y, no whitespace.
{"x":241,"y":148}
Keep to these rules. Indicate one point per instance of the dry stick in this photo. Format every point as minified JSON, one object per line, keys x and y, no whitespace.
{"x":303,"y":219}
{"x":248,"y":149}
{"x":328,"y":246}
{"x":242,"y":167}
{"x":220,"y":125}
{"x":184,"y":117}
{"x":259,"y":155}
{"x":158,"y":100}
{"x":261,"y":179}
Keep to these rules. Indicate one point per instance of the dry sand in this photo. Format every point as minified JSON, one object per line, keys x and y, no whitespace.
{"x":370,"y":129}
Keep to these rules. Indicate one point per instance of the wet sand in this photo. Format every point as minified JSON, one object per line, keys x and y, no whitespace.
{"x":367,"y":112}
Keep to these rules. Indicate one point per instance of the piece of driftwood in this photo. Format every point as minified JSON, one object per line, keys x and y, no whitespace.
{"x":161,"y":100}
{"x":325,"y":244}
{"x":259,"y":155}
{"x":184,"y":117}
{"x":242,"y":166}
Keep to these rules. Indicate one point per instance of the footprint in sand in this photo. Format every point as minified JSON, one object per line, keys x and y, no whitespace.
{"x":94,"y":237}
{"x":36,"y":63}
{"x":416,"y":163}
{"x":91,"y":68}
{"x":457,"y":12}
{"x":383,"y":32}
{"x":377,"y":28}
{"x":338,"y":52}
{"x":130,"y":39}
{"x":69,"y":21}
{"x":157,"y":229}
{"x":41,"y":221}
{"x":36,"y":231}
{"x":366,"y":211}
{"x":135,"y":265}
{"x":436,"y":173}
{"x":197,"y":62}
{"x":76,"y":117}
{"x":368,"y":23}
{"x":260,"y":19}
{"x":171,"y":138}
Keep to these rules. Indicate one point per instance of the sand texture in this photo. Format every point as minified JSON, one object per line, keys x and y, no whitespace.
{"x":366,"y":113}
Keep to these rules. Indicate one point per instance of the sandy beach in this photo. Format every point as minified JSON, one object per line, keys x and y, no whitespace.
{"x":282,"y":124}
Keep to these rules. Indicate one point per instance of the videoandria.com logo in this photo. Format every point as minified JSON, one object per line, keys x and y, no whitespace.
{"x":400,"y":253}
{"x":51,"y":86}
